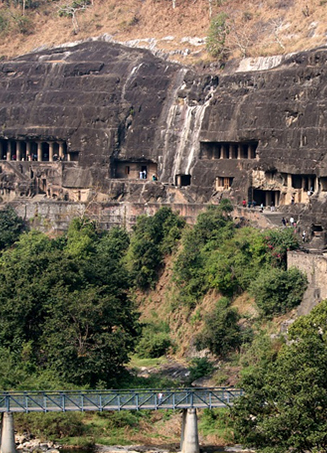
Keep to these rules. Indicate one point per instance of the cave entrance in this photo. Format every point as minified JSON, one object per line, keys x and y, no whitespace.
{"x":182,"y":180}
{"x":73,"y":156}
{"x":266,"y":197}
{"x":3,"y":149}
{"x":224,"y":183}
{"x":317,"y":230}
{"x":128,"y":169}
{"x":323,"y":184}
{"x":228,"y":150}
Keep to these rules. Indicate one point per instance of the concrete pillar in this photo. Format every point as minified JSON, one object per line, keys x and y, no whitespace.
{"x":184,"y":415}
{"x":1,"y":422}
{"x":39,"y":151}
{"x":8,"y":434}
{"x":191,"y":437}
{"x":61,"y":150}
{"x":19,"y":151}
{"x":28,"y":150}
{"x":51,"y":146}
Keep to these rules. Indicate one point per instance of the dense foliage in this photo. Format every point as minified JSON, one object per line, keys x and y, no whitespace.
{"x":278,"y":291}
{"x":11,"y":226}
{"x":67,"y":315}
{"x":222,"y":333}
{"x":64,"y":306}
{"x":153,"y":238}
{"x":285,"y":407}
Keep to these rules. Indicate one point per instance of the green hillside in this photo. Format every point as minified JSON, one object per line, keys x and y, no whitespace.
{"x":75,"y":309}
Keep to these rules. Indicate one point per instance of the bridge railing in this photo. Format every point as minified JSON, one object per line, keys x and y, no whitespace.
{"x":116,"y":400}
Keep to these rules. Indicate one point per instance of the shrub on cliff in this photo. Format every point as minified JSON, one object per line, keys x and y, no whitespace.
{"x":152,"y":239}
{"x":221,"y":333}
{"x":212,"y":228}
{"x":11,"y":226}
{"x":277,"y":291}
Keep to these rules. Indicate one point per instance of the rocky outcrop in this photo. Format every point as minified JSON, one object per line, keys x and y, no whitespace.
{"x":96,"y":122}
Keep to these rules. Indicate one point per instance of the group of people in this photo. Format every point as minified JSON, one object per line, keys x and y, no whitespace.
{"x":143,"y":175}
{"x":292,"y":222}
{"x":33,"y":157}
{"x":251,"y":204}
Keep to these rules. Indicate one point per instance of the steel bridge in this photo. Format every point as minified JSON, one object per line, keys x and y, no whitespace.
{"x":117,"y":400}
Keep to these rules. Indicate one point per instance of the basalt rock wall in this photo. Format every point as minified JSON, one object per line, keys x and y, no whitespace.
{"x":247,"y":132}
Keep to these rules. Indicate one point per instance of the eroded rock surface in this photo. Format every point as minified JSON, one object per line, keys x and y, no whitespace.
{"x":99,"y":122}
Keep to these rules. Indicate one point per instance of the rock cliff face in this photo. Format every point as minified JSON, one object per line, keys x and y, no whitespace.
{"x":96,"y":121}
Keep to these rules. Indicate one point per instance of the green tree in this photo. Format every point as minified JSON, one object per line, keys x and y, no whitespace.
{"x":67,"y":299}
{"x":212,"y":228}
{"x":153,"y":238}
{"x":216,"y":40}
{"x":285,"y":402}
{"x":221,"y":333}
{"x":277,"y":291}
{"x":11,"y":226}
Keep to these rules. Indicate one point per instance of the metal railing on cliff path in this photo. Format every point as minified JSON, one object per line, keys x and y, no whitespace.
{"x":117,"y":400}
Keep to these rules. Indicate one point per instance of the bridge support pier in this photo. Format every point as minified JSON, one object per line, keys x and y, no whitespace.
{"x":189,"y":436}
{"x":7,"y":433}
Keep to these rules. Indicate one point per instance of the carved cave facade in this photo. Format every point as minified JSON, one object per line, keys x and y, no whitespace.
{"x":99,"y":122}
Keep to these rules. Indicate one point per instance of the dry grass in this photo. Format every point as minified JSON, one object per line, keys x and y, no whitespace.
{"x":257,"y":27}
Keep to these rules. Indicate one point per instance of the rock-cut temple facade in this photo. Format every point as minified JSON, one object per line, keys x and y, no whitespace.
{"x":117,"y":131}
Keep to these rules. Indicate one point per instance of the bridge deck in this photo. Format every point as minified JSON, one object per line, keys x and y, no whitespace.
{"x":117,"y":400}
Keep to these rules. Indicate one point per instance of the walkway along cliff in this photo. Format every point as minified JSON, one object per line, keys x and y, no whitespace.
{"x":113,"y":132}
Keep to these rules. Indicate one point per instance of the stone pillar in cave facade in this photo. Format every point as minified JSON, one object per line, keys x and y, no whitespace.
{"x":28,"y":150}
{"x":289,"y":180}
{"x":19,"y":152}
{"x":251,"y":151}
{"x":51,"y":146}
{"x":239,"y":151}
{"x":231,"y":151}
{"x":223,"y":152}
{"x":303,"y":183}
{"x":39,"y":151}
{"x":316,"y":184}
{"x":310,"y":183}
{"x":61,"y":150}
{"x":9,"y":149}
